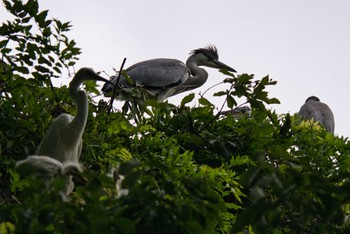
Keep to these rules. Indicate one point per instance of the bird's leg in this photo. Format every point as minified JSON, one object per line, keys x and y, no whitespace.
{"x":126,"y":107}
{"x":135,"y":111}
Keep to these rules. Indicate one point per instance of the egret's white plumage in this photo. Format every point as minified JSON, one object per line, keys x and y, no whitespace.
{"x":60,"y":149}
{"x":63,"y":140}
{"x":167,"y":77}
{"x":41,"y":165}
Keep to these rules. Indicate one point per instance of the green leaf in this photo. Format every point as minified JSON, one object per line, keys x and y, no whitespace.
{"x":26,"y":19}
{"x":7,"y":227}
{"x":264,"y":80}
{"x":220,"y":93}
{"x":187,"y":99}
{"x":205,"y":102}
{"x":47,"y":32}
{"x":5,"y":50}
{"x":22,"y":70}
{"x":43,"y":60}
{"x":231,"y":102}
{"x":245,"y":78}
{"x":42,"y":69}
{"x":32,"y":7}
{"x":3,"y":43}
{"x":273,"y":101}
{"x":41,"y":18}
{"x":7,"y":4}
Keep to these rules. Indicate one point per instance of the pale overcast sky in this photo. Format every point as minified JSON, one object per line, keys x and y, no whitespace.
{"x":303,"y":45}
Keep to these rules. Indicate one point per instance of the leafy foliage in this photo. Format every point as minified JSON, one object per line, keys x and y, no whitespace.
{"x":187,"y":169}
{"x":34,"y":50}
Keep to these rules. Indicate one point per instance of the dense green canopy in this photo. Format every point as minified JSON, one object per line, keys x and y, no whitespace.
{"x":187,"y":169}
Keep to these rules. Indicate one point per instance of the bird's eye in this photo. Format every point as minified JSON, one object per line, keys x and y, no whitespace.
{"x":210,"y":57}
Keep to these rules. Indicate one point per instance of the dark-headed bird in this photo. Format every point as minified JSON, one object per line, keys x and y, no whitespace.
{"x":165,"y":77}
{"x":318,"y":111}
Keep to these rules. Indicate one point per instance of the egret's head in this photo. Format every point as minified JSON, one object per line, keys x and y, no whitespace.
{"x":82,"y":75}
{"x":86,"y":73}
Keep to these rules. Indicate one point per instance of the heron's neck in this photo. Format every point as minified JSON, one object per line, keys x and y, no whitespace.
{"x":199,"y":75}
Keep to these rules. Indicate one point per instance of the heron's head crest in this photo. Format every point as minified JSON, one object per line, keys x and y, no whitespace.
{"x":312,"y":98}
{"x":210,"y":51}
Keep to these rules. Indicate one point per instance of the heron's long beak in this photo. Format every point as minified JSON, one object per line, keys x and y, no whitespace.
{"x":221,"y":65}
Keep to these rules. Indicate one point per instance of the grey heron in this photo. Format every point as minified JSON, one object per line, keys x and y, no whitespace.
{"x":165,"y":77}
{"x":63,"y":140}
{"x":318,"y":111}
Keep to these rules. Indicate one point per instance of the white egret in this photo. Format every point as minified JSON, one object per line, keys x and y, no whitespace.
{"x":61,"y":147}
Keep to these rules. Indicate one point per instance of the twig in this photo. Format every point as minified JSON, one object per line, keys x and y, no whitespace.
{"x":211,"y":88}
{"x":215,"y":116}
{"x":115,"y":86}
{"x":15,"y":198}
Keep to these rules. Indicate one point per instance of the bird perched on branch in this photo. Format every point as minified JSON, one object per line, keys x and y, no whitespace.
{"x":61,"y":147}
{"x":164,"y":77}
{"x":318,"y":111}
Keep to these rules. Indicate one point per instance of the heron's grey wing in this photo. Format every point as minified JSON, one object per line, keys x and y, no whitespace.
{"x":160,"y":73}
{"x":329,"y":123}
{"x":307,"y":111}
{"x":326,"y":116}
{"x":320,"y":112}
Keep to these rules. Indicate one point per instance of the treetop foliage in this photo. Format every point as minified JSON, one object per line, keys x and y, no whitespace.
{"x":186,"y":168}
